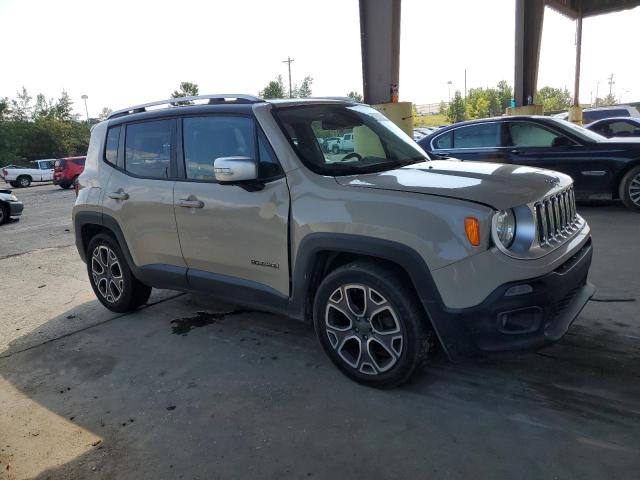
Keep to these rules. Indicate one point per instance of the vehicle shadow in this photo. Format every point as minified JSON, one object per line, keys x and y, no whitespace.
{"x":193,"y":388}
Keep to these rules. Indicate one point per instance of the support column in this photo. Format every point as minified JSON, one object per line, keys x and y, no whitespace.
{"x":529,"y":20}
{"x":380,"y":41}
{"x":575,"y":112}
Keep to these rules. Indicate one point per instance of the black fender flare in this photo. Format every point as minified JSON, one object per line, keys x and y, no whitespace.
{"x":451,"y":334}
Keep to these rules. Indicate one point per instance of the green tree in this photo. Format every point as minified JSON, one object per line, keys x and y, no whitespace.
{"x":21,"y":106}
{"x":43,"y":107}
{"x":187,"y":89}
{"x":275,"y":89}
{"x":355,"y":96}
{"x":442,"y":109}
{"x":505,"y":94}
{"x":5,"y":111}
{"x":304,"y":90}
{"x":63,"y":108}
{"x":456,"y":111}
{"x":104,"y":113}
{"x":553,"y":99}
{"x":608,"y":100}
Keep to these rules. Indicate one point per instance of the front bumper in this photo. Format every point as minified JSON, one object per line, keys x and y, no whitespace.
{"x":15,"y":209}
{"x":539,"y":315}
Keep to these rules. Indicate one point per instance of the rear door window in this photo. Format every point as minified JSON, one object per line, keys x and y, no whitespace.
{"x":148,"y":149}
{"x":482,"y":135}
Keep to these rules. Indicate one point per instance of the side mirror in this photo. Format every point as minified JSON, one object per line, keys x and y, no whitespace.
{"x":235,"y":169}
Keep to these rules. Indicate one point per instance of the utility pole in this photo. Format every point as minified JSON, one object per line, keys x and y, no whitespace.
{"x":611,"y":82}
{"x":288,"y":61}
{"x":449,"y":84}
{"x":465,"y":84}
{"x":597,"y":88}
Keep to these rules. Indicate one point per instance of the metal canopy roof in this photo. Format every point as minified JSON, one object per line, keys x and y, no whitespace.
{"x":590,"y":8}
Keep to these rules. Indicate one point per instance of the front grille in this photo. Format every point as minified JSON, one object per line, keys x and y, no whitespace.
{"x":556,"y":216}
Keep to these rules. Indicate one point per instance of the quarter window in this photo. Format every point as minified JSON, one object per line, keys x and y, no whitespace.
{"x":208,"y":138}
{"x":482,"y":135}
{"x":443,"y":141}
{"x":111,"y":150}
{"x":148,"y":149}
{"x":531,"y":135}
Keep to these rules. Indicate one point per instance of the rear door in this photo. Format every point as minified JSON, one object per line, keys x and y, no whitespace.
{"x":231,"y":233}
{"x":478,"y":141}
{"x":535,"y":145}
{"x":139,"y":194}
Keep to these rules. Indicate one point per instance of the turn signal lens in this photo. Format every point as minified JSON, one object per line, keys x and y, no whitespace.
{"x":472,"y":229}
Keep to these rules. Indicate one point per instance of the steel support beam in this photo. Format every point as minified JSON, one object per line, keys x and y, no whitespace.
{"x":380,"y":39}
{"x":529,"y":20}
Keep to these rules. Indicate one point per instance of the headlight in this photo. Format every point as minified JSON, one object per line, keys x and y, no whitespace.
{"x":505,"y":226}
{"x":13,"y":198}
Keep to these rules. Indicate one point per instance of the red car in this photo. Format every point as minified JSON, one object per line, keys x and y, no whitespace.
{"x":66,"y":171}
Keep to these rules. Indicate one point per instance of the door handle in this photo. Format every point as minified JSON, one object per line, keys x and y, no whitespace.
{"x":515,"y":151}
{"x":191,"y":202}
{"x":119,"y":195}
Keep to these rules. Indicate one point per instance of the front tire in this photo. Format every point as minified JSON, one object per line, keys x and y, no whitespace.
{"x":111,"y":278}
{"x":335,"y":149}
{"x":630,"y":189}
{"x":14,"y":184}
{"x":65,"y":186}
{"x":371,"y":325}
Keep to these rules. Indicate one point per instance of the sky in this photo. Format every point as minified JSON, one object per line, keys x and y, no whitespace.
{"x":124,"y":52}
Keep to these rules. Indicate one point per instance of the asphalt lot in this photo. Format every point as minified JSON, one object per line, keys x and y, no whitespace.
{"x":187,"y":388}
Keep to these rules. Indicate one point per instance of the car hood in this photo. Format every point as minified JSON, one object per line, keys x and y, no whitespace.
{"x":497,"y":185}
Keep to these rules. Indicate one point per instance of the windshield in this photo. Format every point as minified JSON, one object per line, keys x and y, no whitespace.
{"x":578,"y":131}
{"x":361,"y":139}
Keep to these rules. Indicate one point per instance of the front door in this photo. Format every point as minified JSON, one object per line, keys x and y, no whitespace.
{"x":534,"y":145}
{"x":234,"y":234}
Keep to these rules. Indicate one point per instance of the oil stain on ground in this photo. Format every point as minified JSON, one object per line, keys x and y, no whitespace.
{"x":182,"y":326}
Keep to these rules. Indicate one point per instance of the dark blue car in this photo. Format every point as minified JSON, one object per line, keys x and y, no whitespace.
{"x":602,"y":168}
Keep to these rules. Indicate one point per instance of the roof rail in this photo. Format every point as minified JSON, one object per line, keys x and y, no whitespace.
{"x":213,"y":99}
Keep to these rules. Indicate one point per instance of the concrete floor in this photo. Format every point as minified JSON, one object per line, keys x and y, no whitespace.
{"x":187,"y":388}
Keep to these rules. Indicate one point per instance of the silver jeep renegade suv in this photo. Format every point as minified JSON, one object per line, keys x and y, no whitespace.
{"x":386,"y":251}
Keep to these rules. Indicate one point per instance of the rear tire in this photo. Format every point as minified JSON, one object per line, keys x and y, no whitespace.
{"x":23,"y":181}
{"x":111,"y":278}
{"x":630,"y":189}
{"x":65,"y":186}
{"x":371,"y":325}
{"x":4,"y":213}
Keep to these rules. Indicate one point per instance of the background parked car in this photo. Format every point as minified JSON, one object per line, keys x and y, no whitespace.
{"x":590,"y":115}
{"x":23,"y":176}
{"x":332,"y":144}
{"x":616,"y":127}
{"x":601,"y":168}
{"x":420,"y":132}
{"x":10,"y":206}
{"x":66,"y":171}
